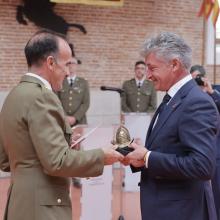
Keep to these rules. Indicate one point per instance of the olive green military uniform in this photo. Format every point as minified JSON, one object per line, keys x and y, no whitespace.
{"x":33,"y":140}
{"x":75,"y":99}
{"x":136,"y":99}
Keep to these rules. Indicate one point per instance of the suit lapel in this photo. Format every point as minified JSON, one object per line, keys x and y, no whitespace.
{"x":175,"y":102}
{"x":164,"y":116}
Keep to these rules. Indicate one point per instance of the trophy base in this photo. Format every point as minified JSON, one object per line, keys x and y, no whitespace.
{"x":124,"y":150}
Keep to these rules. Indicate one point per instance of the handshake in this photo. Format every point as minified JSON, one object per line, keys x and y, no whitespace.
{"x":136,"y":157}
{"x":123,"y":149}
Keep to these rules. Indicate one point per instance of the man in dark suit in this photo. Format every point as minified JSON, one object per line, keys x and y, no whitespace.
{"x":199,"y":74}
{"x":139,"y":94}
{"x":34,"y":137}
{"x":178,"y":159}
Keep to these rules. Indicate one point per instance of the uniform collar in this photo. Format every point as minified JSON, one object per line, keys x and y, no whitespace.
{"x":140,"y":81}
{"x":44,"y":81}
{"x":73,"y":78}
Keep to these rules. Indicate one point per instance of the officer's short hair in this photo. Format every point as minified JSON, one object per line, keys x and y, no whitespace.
{"x":140,"y":62}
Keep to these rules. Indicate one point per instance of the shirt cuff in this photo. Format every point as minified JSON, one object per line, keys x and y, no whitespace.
{"x":147,"y":157}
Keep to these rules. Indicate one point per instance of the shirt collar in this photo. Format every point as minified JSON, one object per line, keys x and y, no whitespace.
{"x":177,"y":86}
{"x":140,"y":81}
{"x":71,"y":77}
{"x":44,"y":81}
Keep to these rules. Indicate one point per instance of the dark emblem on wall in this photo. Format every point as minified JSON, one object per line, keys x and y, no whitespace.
{"x":41,"y":13}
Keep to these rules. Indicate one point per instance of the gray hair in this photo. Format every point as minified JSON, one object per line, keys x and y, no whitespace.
{"x":168,"y":46}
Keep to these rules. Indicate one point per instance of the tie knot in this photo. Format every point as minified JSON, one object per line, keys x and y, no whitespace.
{"x":166,"y":98}
{"x":139,"y":85}
{"x":71,"y":82}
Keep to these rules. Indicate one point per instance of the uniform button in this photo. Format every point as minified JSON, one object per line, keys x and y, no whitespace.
{"x":139,"y":93}
{"x":69,"y":111}
{"x":59,"y":201}
{"x":70,"y":98}
{"x":138,"y":100}
{"x":138,"y":106}
{"x":70,"y":104}
{"x":71,"y":91}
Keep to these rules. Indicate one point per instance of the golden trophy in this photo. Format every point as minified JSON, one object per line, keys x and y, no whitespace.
{"x":123,"y":140}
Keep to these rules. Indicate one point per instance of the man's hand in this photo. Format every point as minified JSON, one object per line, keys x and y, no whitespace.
{"x":71,"y":120}
{"x":137,"y":163}
{"x":207,"y":86}
{"x":74,"y":137}
{"x":135,"y":158}
{"x":111,"y":155}
{"x":127,"y":161}
{"x":138,"y":153}
{"x":77,"y":133}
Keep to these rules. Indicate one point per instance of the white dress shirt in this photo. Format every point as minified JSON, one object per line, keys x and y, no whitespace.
{"x":139,"y":82}
{"x":69,"y":78}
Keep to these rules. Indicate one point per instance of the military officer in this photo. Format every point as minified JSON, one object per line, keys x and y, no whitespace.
{"x":139,"y":94}
{"x":74,"y":95}
{"x":34,"y":137}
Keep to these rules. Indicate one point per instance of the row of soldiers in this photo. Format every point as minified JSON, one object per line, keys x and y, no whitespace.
{"x":138,"y":96}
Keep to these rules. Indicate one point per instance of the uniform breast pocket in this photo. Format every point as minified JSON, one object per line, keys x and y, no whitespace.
{"x":63,"y":95}
{"x":77,"y":94}
{"x":146,"y":92}
{"x":131,"y":93}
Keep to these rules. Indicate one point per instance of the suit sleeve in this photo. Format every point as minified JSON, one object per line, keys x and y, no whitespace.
{"x":80,"y":113}
{"x":47,"y":127}
{"x":216,"y":97}
{"x":197,"y":130}
{"x":124,"y":106}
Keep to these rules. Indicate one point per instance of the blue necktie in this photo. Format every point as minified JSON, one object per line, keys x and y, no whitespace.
{"x":159,"y":110}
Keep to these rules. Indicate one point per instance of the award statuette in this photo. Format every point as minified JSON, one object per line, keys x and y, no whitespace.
{"x":122,"y":139}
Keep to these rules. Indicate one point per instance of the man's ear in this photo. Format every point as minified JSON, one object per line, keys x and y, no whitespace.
{"x":176,"y":65}
{"x":50,"y":62}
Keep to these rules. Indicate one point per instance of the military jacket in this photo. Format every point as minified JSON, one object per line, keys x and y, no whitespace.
{"x":75,"y":99}
{"x":136,"y":99}
{"x":34,"y":148}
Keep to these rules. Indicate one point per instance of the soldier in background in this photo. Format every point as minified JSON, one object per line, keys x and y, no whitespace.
{"x":75,"y":99}
{"x":75,"y":95}
{"x":139,"y":94}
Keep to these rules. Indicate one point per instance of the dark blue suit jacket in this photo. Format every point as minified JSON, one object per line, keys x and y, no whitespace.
{"x":216,"y":178}
{"x":183,"y":150}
